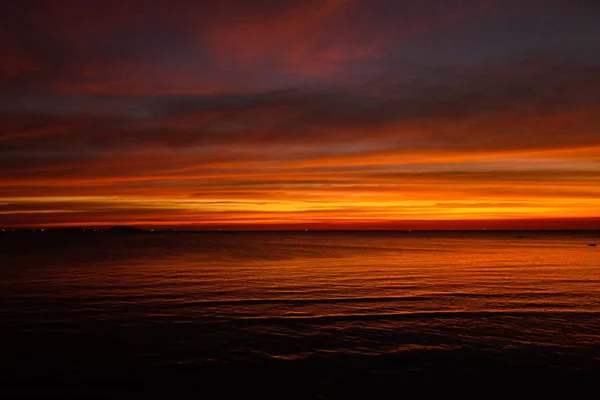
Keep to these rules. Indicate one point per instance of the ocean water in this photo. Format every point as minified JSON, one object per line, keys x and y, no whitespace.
{"x":299,"y":314}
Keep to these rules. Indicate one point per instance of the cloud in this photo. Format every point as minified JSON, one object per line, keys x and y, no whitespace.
{"x":135,"y":46}
{"x":302,"y":110}
{"x":536,"y":105}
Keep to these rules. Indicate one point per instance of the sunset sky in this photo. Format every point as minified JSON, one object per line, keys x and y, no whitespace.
{"x":350,"y":114}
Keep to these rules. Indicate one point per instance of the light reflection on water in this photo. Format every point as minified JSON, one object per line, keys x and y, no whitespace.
{"x":289,"y":295}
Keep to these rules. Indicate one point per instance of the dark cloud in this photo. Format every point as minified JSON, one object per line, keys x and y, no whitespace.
{"x":510,"y":107}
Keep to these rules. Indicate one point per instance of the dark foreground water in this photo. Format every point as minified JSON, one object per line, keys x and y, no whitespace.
{"x":300,"y":315}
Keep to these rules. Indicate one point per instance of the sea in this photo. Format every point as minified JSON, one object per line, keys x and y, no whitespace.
{"x":300,"y":315}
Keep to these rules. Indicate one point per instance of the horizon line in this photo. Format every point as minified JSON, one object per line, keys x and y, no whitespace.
{"x":198,"y":230}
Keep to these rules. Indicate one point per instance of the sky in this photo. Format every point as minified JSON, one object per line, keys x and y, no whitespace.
{"x":300,"y":114}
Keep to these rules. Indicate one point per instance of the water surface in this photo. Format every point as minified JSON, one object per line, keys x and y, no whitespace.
{"x":420,"y":305}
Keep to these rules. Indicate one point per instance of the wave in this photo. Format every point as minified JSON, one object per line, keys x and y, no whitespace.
{"x":416,"y":315}
{"x":175,"y":300}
